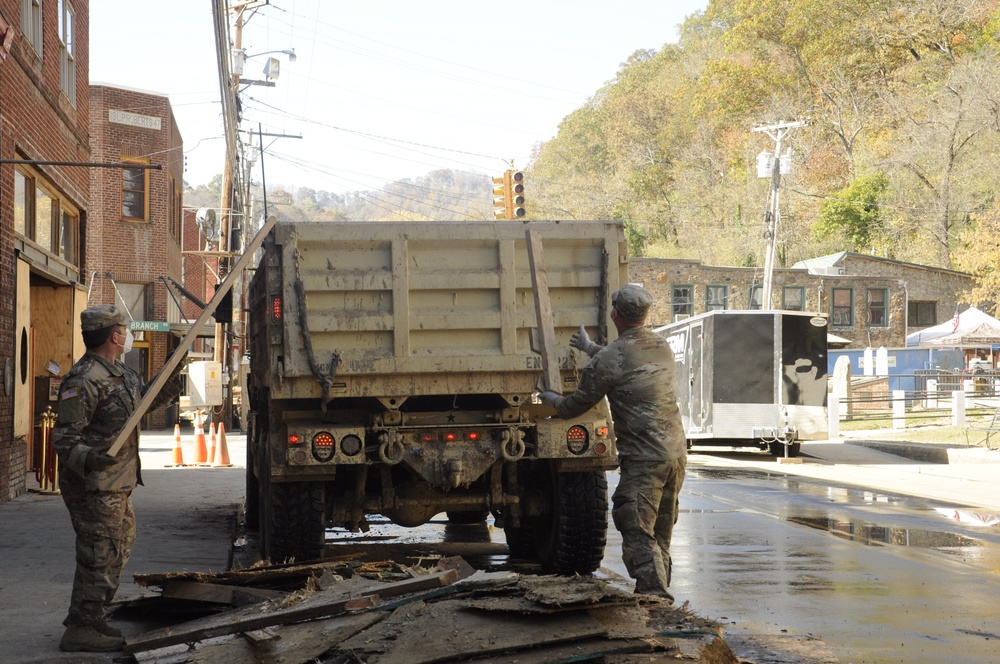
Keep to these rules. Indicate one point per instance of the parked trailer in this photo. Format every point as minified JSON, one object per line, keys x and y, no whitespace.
{"x":751,"y":378}
{"x":392,"y":372}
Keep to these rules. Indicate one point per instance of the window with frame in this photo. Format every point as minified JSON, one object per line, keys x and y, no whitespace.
{"x":793,"y":298}
{"x":31,"y":23}
{"x":921,"y":314}
{"x":756,"y":297}
{"x":67,"y":49}
{"x":135,"y":185}
{"x":877,"y":299}
{"x":843,"y":307}
{"x":682,"y":302}
{"x":45,"y":217}
{"x":716,"y":298}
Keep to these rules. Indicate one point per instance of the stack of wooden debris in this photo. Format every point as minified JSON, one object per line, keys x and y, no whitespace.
{"x":345,"y":612}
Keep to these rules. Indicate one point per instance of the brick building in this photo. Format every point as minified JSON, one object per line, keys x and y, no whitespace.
{"x":44,"y":112}
{"x":135,"y":226}
{"x":870,"y":301}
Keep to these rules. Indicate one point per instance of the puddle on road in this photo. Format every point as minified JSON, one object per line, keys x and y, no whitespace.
{"x":983,"y":549}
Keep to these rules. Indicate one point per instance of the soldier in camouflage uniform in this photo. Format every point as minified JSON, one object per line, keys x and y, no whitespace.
{"x":636,"y":374}
{"x":96,"y":399}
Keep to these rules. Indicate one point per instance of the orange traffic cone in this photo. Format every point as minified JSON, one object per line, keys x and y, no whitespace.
{"x":212,"y":440}
{"x":178,"y":453}
{"x":221,"y":459}
{"x":200,"y":450}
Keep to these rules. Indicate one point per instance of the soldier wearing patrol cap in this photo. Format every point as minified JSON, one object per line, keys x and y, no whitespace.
{"x":636,"y":373}
{"x":96,"y":399}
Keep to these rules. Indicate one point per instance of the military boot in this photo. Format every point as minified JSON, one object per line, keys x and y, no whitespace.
{"x":80,"y":638}
{"x":107,"y":630}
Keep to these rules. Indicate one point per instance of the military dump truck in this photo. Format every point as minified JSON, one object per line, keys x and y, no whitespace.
{"x":392,"y":373}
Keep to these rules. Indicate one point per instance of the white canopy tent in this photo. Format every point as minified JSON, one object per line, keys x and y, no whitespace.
{"x":968,"y":322}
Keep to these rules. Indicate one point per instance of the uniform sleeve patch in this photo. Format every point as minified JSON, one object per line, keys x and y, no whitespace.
{"x":68,"y":394}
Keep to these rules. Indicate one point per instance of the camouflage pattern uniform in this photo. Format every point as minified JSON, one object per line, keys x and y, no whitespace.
{"x":636,"y":373}
{"x":96,"y":398}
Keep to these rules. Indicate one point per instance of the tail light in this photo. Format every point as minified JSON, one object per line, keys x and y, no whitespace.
{"x":350,"y":444}
{"x":294,"y":439}
{"x":577,"y":439}
{"x":276,"y":308}
{"x":323,"y":446}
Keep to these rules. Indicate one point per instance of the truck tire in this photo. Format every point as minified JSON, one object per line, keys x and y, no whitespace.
{"x":778,"y":449}
{"x":571,"y":537}
{"x":521,"y":541}
{"x":296,"y":521}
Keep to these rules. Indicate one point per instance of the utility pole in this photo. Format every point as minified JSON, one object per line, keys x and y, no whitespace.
{"x":771,"y":166}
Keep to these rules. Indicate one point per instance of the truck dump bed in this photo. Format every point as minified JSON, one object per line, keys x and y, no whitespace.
{"x":409,"y":309}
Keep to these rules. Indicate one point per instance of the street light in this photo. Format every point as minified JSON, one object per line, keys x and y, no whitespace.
{"x":240,"y":57}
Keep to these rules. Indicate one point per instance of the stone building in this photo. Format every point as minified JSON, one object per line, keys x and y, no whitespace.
{"x":44,"y":203}
{"x":868,"y":300}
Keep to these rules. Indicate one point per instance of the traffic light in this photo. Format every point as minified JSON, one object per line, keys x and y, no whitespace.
{"x":517,"y":195}
{"x":502,"y":196}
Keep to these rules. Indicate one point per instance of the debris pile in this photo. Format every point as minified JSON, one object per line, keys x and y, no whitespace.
{"x":345,"y":611}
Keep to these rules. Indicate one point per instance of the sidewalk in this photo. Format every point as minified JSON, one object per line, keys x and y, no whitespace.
{"x":959,"y":476}
{"x":185,"y":520}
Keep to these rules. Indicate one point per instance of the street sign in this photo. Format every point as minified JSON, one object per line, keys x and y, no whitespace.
{"x":149,"y":326}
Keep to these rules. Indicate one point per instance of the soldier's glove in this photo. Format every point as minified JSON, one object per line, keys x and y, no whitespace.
{"x":548,"y":398}
{"x":98,"y":461}
{"x":581,"y":340}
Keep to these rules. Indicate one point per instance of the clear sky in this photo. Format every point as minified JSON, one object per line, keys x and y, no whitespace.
{"x":381,"y":89}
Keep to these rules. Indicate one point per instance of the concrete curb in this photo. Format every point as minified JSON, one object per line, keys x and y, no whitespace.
{"x":931,"y":453}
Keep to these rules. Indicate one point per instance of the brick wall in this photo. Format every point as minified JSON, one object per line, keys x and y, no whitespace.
{"x":136,"y":252}
{"x":37,"y":122}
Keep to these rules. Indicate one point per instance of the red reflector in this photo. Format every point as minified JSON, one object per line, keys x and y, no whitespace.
{"x":428,"y":437}
{"x":276,"y":308}
{"x":600,"y":448}
{"x":449,"y":436}
{"x":294,"y":439}
{"x":472,"y":435}
{"x":323,"y":440}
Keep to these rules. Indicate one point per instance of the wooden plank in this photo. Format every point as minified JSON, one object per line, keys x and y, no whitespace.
{"x":218,"y":593}
{"x":429,"y":582}
{"x":161,"y":378}
{"x":423,"y":633}
{"x":318,"y":605}
{"x":286,"y":573}
{"x":551,"y":379}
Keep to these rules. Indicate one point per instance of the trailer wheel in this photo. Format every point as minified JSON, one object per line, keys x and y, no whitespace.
{"x":467,"y":517}
{"x":571,"y":536}
{"x":778,"y":449}
{"x":296,"y":521}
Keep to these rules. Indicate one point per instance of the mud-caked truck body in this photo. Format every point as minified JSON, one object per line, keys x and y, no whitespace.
{"x":392,"y":372}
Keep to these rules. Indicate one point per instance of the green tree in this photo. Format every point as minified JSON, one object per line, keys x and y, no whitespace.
{"x":855,"y":214}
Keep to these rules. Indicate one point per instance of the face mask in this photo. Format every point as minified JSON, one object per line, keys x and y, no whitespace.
{"x":127,"y":346}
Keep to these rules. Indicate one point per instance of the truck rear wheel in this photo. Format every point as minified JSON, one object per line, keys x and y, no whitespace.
{"x":296,"y":521}
{"x":570,"y":538}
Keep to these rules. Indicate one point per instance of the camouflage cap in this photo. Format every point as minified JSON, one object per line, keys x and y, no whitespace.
{"x":632,"y":302}
{"x":98,"y":318}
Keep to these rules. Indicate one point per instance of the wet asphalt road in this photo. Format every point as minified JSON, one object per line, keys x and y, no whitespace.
{"x":879,"y":578}
{"x":876,"y":577}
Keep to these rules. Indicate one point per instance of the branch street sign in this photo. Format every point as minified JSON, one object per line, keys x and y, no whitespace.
{"x":149,"y":326}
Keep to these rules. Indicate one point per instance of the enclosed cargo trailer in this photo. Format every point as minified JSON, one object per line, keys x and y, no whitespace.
{"x":751,"y":378}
